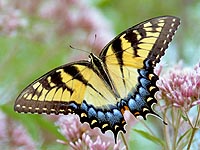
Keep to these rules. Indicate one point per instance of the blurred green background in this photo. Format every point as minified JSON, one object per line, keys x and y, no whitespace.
{"x":35,"y":38}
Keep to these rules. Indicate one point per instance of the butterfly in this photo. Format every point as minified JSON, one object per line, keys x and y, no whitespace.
{"x":100,"y":89}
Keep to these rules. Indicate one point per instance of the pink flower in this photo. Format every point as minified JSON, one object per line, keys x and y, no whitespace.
{"x":80,"y":136}
{"x":73,"y":17}
{"x":11,"y":19}
{"x":180,"y":87}
{"x":13,"y":135}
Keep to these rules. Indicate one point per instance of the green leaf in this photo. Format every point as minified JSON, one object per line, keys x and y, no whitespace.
{"x":150,"y":137}
{"x":183,"y":116}
{"x":187,"y":133}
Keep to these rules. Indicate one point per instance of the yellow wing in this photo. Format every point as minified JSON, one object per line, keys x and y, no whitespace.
{"x":73,"y":82}
{"x":134,"y":48}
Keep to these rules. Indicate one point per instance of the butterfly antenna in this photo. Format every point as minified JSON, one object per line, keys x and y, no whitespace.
{"x":74,"y":48}
{"x":93,"y":44}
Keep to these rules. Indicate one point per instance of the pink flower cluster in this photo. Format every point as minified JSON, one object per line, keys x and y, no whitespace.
{"x":73,"y":17}
{"x":181,"y":87}
{"x":80,"y":136}
{"x":10,"y":19}
{"x":13,"y":135}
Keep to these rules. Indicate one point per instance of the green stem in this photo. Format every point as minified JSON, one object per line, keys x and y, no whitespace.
{"x":165,"y":131}
{"x":194,"y":128}
{"x":124,"y":140}
{"x":191,"y":138}
{"x":176,"y":125}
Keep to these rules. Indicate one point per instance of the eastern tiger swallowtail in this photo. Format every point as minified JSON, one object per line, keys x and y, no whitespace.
{"x":100,"y":89}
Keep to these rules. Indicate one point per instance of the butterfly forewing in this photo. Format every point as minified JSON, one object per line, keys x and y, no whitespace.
{"x":128,"y":52}
{"x":73,"y":82}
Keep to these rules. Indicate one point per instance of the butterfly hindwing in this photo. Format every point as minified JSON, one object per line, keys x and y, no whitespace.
{"x":101,"y":89}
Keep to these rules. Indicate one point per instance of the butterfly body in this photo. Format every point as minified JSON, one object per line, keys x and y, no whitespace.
{"x":100,"y":89}
{"x":101,"y":70}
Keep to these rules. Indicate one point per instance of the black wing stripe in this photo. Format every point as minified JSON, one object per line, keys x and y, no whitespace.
{"x":76,"y":74}
{"x":131,"y":37}
{"x":118,"y":51}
